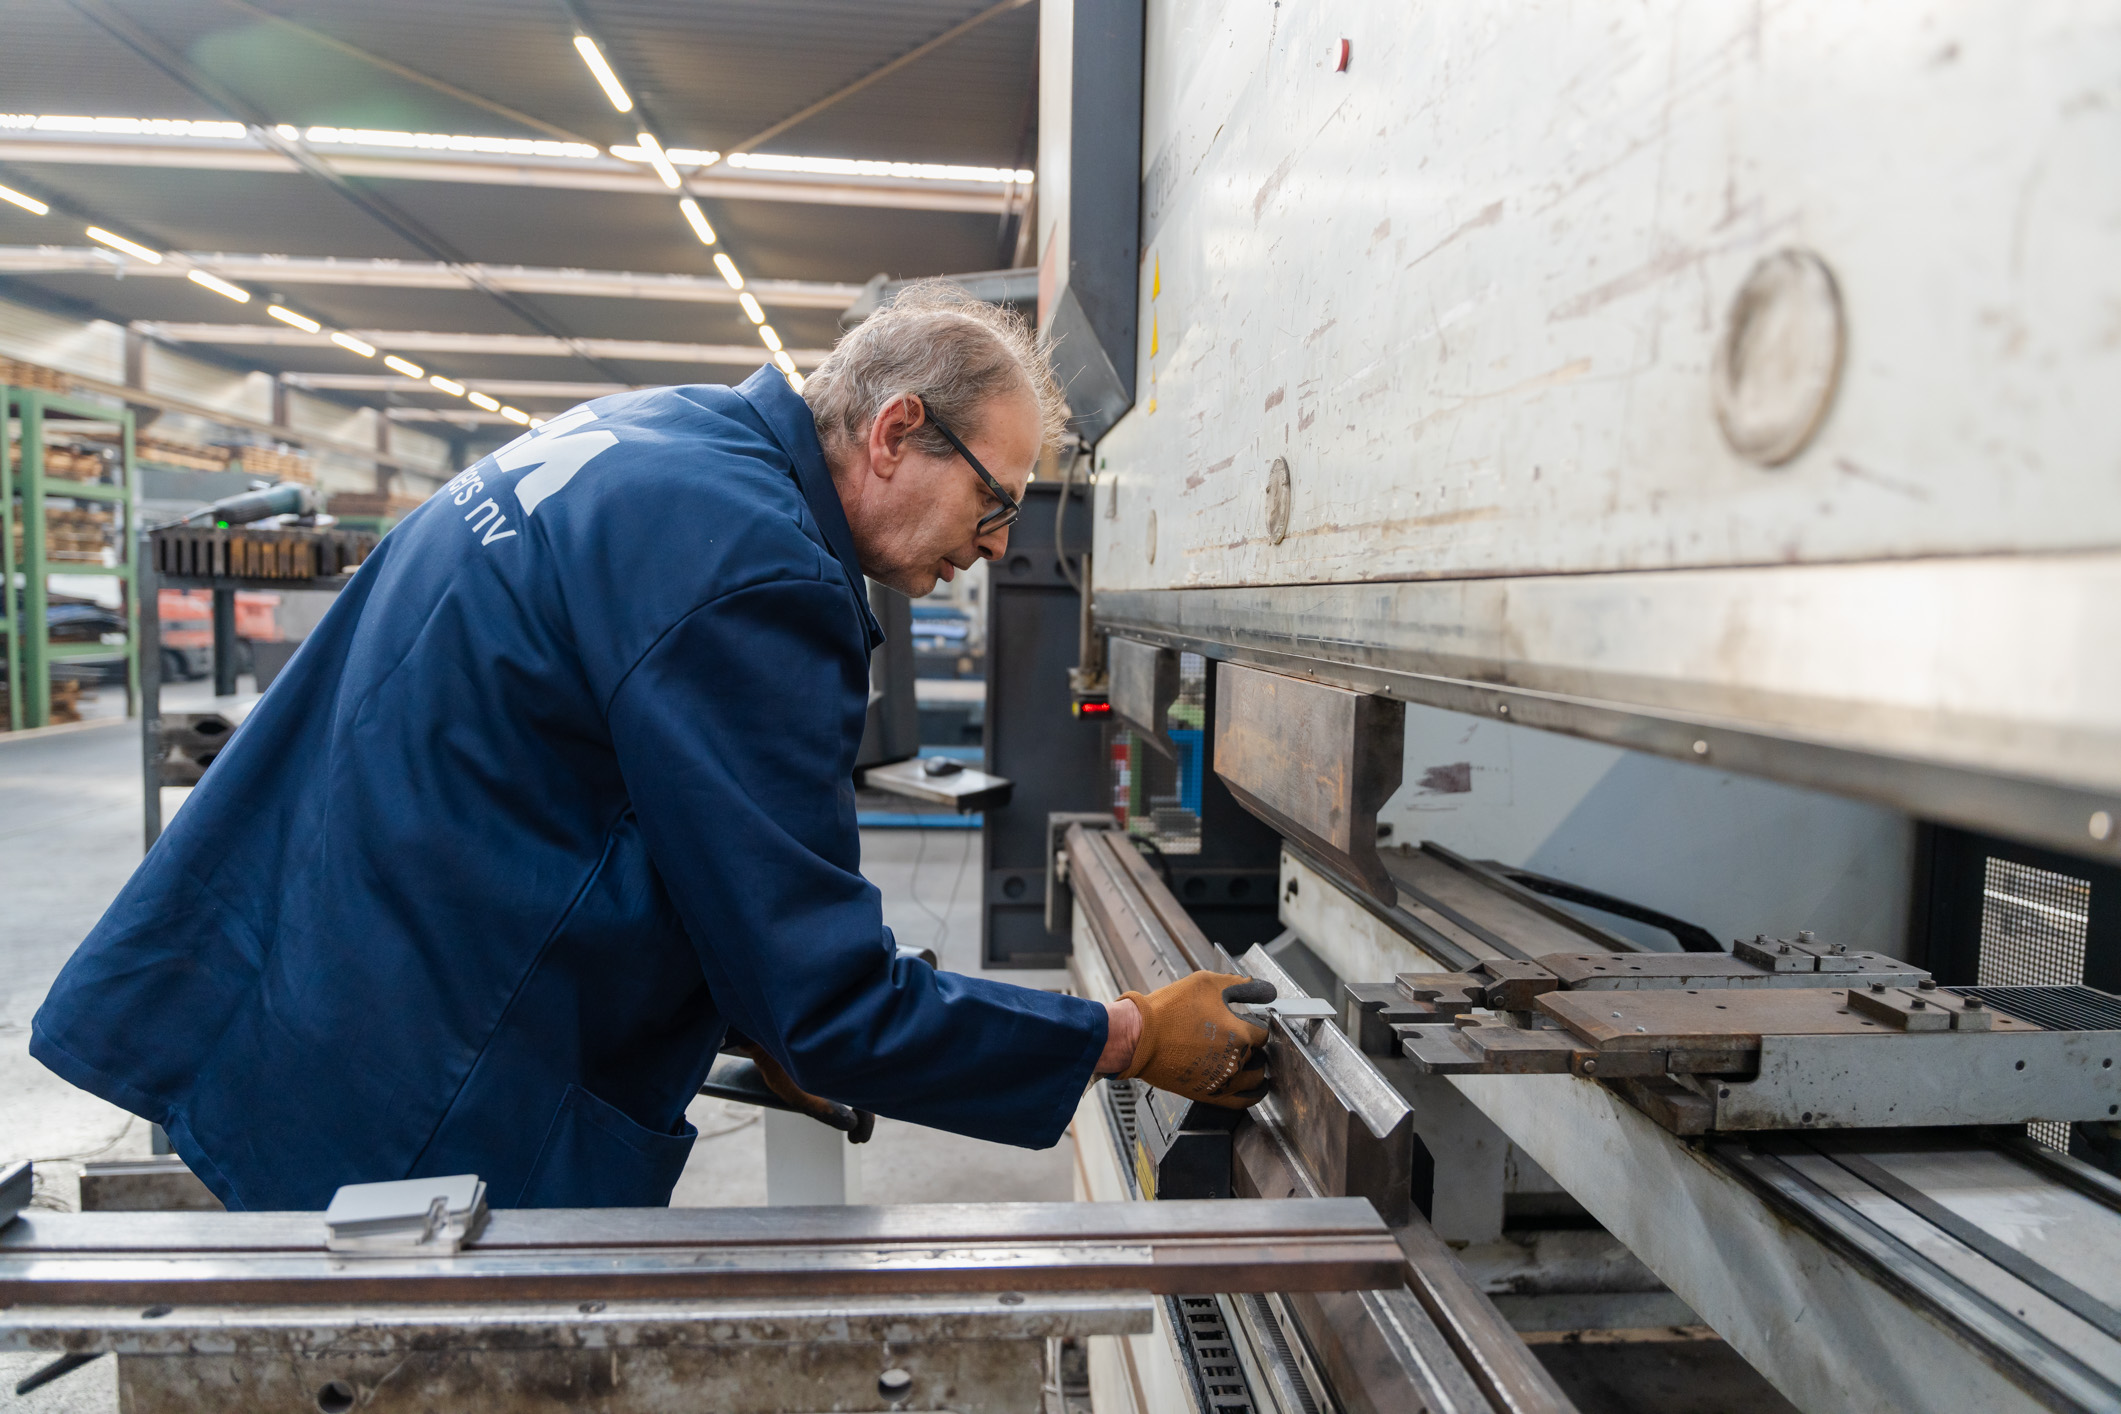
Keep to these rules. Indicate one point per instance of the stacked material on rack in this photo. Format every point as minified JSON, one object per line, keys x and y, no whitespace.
{"x":273,"y":464}
{"x":76,"y":535}
{"x":187,"y":456}
{"x":16,"y":374}
{"x":374,"y":505}
{"x":81,"y":461}
{"x":65,"y":702}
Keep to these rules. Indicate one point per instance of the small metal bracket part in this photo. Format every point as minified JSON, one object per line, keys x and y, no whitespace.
{"x":407,"y":1217}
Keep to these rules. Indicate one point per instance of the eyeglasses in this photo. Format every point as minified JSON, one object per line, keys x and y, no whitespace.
{"x":1009,"y":509}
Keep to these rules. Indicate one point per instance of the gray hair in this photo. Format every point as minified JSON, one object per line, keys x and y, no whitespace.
{"x":937,"y":341}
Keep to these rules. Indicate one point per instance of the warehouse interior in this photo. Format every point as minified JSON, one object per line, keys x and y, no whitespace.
{"x":1556,"y":600}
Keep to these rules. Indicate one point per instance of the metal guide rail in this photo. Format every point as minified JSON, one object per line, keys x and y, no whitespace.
{"x":1794,"y":1127}
{"x":1778,"y":1034}
{"x":1331,"y":1126}
{"x":759,"y":1309}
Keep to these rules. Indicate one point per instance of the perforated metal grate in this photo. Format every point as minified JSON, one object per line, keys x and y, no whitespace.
{"x":2033,"y":926}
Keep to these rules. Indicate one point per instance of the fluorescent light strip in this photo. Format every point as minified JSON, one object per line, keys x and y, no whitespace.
{"x":598,"y":65}
{"x":300,"y":321}
{"x":26,"y":202}
{"x":359,"y":346}
{"x":795,"y":380}
{"x":443,"y":142}
{"x":122,"y":127}
{"x":152,"y":257}
{"x":218,"y":285}
{"x":848,"y":167}
{"x":729,"y":271}
{"x":769,"y":338}
{"x":404,"y":366}
{"x":657,"y":160}
{"x":697,"y":220}
{"x":515,"y":414}
{"x":751,"y":307}
{"x":448,"y":385}
{"x":479,"y":399}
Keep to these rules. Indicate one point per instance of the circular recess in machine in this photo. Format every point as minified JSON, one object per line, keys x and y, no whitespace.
{"x":1779,"y":359}
{"x":1278,"y":501}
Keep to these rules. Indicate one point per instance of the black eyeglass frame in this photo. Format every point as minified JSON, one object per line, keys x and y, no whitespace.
{"x":1010,"y":507}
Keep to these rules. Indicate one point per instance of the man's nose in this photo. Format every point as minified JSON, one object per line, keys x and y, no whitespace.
{"x":993,"y":543}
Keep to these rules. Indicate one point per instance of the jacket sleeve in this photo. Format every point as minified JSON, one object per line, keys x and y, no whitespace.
{"x":733,"y":735}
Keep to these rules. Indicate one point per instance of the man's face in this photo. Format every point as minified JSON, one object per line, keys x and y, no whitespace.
{"x":915,"y":515}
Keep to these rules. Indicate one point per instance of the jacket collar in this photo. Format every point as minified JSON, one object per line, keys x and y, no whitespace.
{"x":788,"y":418}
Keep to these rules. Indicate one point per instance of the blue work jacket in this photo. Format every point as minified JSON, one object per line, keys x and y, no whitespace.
{"x":558,"y":791}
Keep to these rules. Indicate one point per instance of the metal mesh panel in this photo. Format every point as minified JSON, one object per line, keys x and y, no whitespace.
{"x":2033,"y":925}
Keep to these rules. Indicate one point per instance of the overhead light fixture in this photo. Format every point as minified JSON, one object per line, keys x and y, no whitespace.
{"x":27,"y":203}
{"x":700,"y":227}
{"x":784,"y":363}
{"x":359,"y":346}
{"x":289,"y":131}
{"x":133,"y":248}
{"x":658,"y":159}
{"x":480,"y":400}
{"x":218,"y":285}
{"x":773,"y":340}
{"x":536,"y":423}
{"x":404,"y":365}
{"x":795,"y":379}
{"x":729,"y":272}
{"x":448,"y":385}
{"x":515,"y":414}
{"x":300,"y":321}
{"x":598,"y":65}
{"x":751,"y":307}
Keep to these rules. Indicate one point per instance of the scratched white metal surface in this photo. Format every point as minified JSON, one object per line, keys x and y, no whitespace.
{"x":1470,"y":288}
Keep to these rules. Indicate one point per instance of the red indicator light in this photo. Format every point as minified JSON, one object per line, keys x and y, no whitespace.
{"x":1093,"y":709}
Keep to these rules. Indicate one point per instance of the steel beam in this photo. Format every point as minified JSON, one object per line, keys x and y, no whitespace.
{"x":510,"y":345}
{"x":429,"y":275}
{"x":600,"y":174}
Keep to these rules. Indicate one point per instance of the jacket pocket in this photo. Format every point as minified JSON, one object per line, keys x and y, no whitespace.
{"x":595,"y":1156}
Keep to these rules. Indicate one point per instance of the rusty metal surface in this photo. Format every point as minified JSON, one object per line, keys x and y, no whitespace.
{"x":1315,"y":762}
{"x":382,"y":1329}
{"x":969,"y":1377}
{"x":1585,"y":971}
{"x":607,"y":1254}
{"x":1667,"y":1018}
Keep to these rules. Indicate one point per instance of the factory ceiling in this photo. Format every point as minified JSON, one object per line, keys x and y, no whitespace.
{"x":439,"y":171}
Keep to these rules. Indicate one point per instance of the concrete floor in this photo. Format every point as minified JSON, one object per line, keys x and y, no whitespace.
{"x":70,"y":835}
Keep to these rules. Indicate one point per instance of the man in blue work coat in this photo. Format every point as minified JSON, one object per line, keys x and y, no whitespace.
{"x":558,"y":794}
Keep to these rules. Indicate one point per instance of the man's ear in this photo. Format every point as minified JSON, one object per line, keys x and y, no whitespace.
{"x":887,"y":435}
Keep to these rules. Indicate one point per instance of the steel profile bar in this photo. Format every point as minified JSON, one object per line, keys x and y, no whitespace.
{"x":186,"y":1259}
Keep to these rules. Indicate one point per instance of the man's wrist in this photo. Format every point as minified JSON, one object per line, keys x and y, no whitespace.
{"x":1123,"y":1030}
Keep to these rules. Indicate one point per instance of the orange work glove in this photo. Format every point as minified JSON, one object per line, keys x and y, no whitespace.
{"x":1193,"y":1045}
